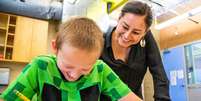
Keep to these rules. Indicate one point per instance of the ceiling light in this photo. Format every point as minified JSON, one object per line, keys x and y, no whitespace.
{"x":178,"y":18}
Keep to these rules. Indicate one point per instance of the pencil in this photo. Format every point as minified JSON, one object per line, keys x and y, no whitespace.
{"x":21,"y":96}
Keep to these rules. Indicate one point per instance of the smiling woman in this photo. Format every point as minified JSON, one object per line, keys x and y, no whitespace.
{"x":130,"y":49}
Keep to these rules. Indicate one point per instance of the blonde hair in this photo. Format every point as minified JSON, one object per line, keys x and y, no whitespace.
{"x":81,"y":33}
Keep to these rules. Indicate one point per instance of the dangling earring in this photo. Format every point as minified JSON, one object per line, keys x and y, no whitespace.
{"x":142,"y":42}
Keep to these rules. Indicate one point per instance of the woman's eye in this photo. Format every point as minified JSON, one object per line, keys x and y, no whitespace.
{"x":136,"y":33}
{"x":125,"y":27}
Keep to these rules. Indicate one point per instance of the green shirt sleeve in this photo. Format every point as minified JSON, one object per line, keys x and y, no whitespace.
{"x":26,"y":83}
{"x":112,"y":85}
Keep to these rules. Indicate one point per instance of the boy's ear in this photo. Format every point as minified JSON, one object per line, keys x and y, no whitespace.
{"x":54,"y":48}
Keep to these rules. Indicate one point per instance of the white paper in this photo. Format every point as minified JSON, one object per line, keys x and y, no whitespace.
{"x":4,"y":75}
{"x":173,"y":78}
{"x":180,"y":74}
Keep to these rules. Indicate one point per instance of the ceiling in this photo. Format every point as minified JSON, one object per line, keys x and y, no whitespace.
{"x":165,"y":10}
{"x":175,"y":9}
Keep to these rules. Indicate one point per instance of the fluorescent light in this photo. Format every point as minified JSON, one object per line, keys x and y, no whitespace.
{"x":196,"y":11}
{"x":171,"y":21}
{"x":178,"y":18}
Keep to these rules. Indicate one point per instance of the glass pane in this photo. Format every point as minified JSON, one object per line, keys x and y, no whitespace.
{"x":197,"y":62}
{"x":189,"y":64}
{"x":193,"y":63}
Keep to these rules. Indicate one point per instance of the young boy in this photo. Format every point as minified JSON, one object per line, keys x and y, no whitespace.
{"x":75,"y":73}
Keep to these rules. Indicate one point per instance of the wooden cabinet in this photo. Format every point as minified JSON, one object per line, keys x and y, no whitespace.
{"x":39,"y":38}
{"x":7,"y":35}
{"x":22,"y":38}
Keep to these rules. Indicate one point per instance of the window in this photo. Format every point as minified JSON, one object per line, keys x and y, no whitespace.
{"x":193,"y":63}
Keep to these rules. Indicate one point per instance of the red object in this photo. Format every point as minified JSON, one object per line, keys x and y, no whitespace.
{"x":1,"y":56}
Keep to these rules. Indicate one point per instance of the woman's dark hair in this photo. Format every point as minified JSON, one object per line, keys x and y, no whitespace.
{"x":138,"y":8}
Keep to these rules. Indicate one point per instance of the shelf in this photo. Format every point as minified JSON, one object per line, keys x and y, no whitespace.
{"x":12,"y":25}
{"x":8,"y":60}
{"x":9,"y":46}
{"x":11,"y":34}
{"x":2,"y":45}
{"x":3,"y":28}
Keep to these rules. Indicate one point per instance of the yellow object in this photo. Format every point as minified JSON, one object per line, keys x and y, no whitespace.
{"x":21,"y":96}
{"x":115,"y":4}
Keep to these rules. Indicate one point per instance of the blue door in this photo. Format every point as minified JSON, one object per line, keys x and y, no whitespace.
{"x":174,"y":63}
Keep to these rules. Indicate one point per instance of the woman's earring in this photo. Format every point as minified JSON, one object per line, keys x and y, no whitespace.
{"x":142,"y":42}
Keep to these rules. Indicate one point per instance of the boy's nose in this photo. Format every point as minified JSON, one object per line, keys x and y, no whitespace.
{"x":72,"y":74}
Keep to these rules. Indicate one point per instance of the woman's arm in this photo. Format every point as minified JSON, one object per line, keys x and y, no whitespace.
{"x":154,"y":62}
